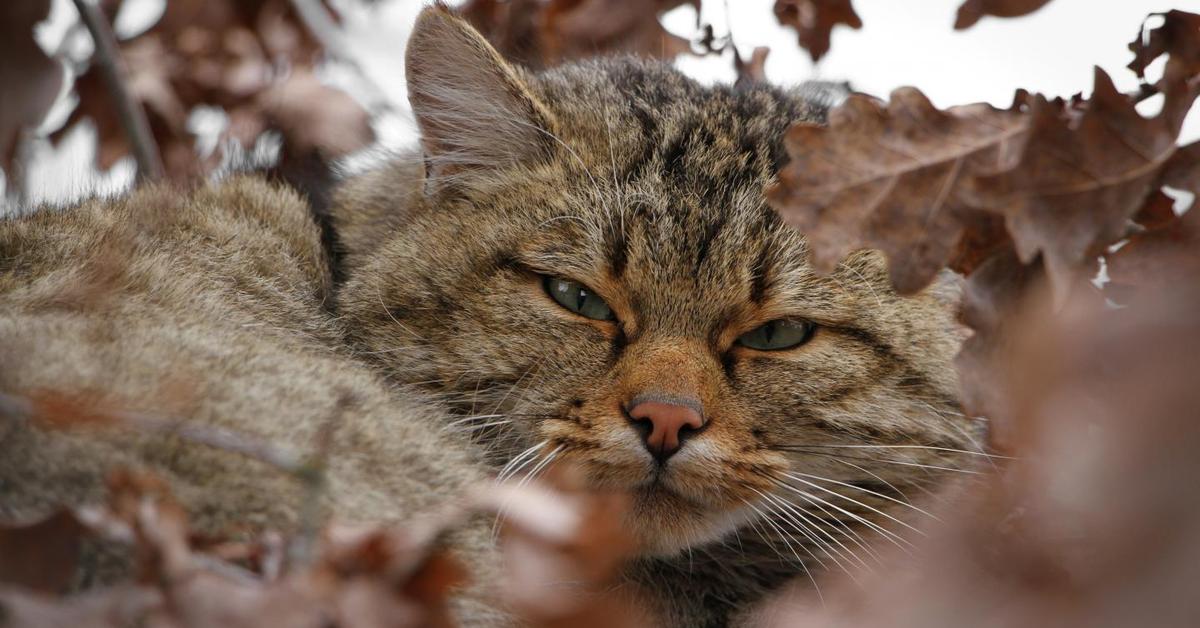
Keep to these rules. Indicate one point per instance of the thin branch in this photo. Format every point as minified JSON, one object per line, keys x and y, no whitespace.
{"x":112,"y":69}
{"x":19,"y":409}
{"x":312,"y":475}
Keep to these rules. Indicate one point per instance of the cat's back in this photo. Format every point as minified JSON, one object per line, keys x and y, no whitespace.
{"x":206,"y":311}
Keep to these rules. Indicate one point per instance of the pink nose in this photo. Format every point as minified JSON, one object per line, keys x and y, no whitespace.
{"x":669,"y":422}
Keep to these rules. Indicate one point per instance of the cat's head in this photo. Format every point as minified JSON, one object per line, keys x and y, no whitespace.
{"x":589,"y":272}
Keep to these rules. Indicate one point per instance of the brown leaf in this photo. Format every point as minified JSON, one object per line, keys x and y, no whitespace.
{"x":542,"y":33}
{"x":1178,"y":36}
{"x":510,"y":26}
{"x":814,"y":20}
{"x":31,"y":81}
{"x":313,"y":117}
{"x":225,"y":54}
{"x":1183,"y":170}
{"x":1167,"y":252}
{"x":1077,"y":182}
{"x":754,"y":70}
{"x":563,"y":548}
{"x":117,"y":607}
{"x":892,"y":177}
{"x":915,"y":182}
{"x":43,"y":556}
{"x":573,"y":29}
{"x":993,"y":297}
{"x":972,"y":10}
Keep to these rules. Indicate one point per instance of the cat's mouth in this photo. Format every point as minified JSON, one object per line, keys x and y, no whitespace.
{"x":677,"y":502}
{"x":666,"y":521}
{"x":671,"y":510}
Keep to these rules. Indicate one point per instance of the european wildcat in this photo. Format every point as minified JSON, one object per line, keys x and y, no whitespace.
{"x":582,"y":258}
{"x":591,"y":258}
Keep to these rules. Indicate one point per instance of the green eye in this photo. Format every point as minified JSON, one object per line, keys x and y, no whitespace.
{"x":777,"y":335}
{"x":578,"y":298}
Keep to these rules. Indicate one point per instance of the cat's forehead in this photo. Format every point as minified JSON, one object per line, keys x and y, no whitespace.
{"x":666,"y":176}
{"x":646,"y":118}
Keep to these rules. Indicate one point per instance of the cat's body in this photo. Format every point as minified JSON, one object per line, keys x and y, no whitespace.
{"x":208,"y":308}
{"x":621,"y":180}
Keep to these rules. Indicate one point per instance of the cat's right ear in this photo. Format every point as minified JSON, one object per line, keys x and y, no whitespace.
{"x":474,"y":111}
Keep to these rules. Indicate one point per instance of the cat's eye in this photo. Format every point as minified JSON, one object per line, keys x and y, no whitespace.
{"x":577,"y":298}
{"x":777,"y":335}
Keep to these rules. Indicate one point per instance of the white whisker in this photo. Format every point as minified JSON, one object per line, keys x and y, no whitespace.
{"x":849,"y":499}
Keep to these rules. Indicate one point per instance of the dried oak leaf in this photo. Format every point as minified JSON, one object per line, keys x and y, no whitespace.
{"x":1076,"y":182}
{"x":755,"y":69}
{"x":972,"y":10}
{"x":313,"y":117}
{"x":573,"y":29}
{"x":1091,"y":524}
{"x":891,"y":177}
{"x":1179,"y":35}
{"x":1182,"y":171}
{"x":30,"y":80}
{"x":117,"y":607}
{"x":230,"y":55}
{"x":42,"y":556}
{"x":913,"y":181}
{"x":1168,"y":249}
{"x":541,"y":33}
{"x":510,"y":26}
{"x":993,"y":296}
{"x":564,"y":547}
{"x":1157,"y":257}
{"x":814,"y":20}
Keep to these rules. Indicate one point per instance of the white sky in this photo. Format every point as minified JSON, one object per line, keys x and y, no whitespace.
{"x":902,"y":42}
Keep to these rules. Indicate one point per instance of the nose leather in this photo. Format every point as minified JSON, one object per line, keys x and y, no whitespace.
{"x":667,"y":424}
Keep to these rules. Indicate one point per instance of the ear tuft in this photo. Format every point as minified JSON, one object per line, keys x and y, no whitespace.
{"x":473,"y":109}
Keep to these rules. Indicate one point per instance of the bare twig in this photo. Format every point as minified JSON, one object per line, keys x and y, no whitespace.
{"x":217,"y":438}
{"x":312,"y":475}
{"x":112,"y":69}
{"x":19,"y":408}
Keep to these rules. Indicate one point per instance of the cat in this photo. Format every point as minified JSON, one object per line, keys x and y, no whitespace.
{"x":577,"y":266}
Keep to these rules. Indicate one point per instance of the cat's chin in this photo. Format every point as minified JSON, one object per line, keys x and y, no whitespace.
{"x":666,"y":524}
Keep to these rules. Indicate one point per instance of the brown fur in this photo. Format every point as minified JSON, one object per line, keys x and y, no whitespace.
{"x":621,"y":175}
{"x":208,"y":308}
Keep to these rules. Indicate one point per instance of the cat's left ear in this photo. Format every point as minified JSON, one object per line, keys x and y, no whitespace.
{"x":474,"y":110}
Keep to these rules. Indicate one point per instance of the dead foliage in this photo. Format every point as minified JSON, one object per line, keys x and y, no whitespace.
{"x":24,"y":64}
{"x":972,"y":11}
{"x":813,"y":21}
{"x":1092,"y":524}
{"x":254,"y":60}
{"x":325,"y":573}
{"x":1046,"y":182}
{"x":543,"y":33}
{"x":357,"y":577}
{"x":917,"y":182}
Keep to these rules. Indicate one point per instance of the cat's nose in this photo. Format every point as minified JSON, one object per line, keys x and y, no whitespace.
{"x":665,"y":423}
